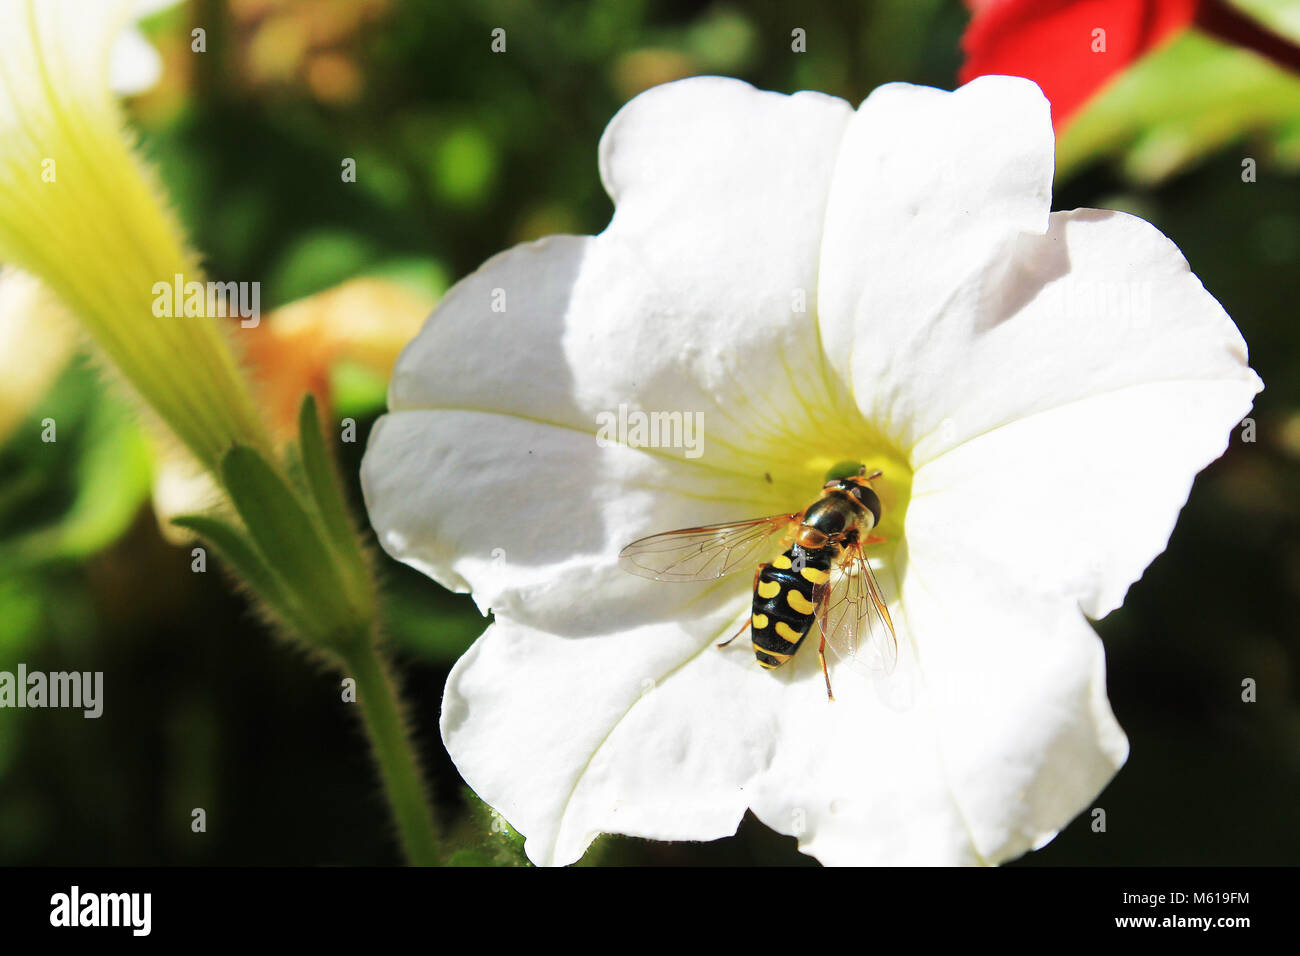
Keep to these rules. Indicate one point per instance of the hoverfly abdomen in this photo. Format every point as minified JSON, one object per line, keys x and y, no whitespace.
{"x":784,"y":602}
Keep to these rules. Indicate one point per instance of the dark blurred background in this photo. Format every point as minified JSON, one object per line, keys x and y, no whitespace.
{"x":461,"y":153}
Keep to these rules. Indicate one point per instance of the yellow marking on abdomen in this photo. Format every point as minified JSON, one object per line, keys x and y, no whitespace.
{"x":759,"y":621}
{"x":781,"y":561}
{"x":789,"y":633}
{"x":768,"y":589}
{"x":777,"y":655}
{"x":815,"y":575}
{"x":765,"y":664}
{"x":798,"y":602}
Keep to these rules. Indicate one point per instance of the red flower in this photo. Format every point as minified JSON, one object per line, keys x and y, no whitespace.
{"x":1071,"y":48}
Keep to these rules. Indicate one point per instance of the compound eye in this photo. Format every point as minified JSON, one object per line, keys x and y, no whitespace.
{"x":870,"y":500}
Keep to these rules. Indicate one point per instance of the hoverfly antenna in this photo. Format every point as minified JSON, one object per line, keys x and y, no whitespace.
{"x":874,"y":475}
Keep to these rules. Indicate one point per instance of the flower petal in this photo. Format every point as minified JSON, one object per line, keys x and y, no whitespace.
{"x":1096,"y":378}
{"x":532,"y":516}
{"x":1018,"y":686}
{"x":135,"y":65}
{"x":37,"y":337}
{"x":931,"y":188}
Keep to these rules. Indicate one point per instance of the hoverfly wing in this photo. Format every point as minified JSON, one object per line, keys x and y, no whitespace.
{"x":854,"y":618}
{"x":707,"y":552}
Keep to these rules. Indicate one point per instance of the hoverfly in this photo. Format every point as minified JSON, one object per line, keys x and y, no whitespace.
{"x":821,"y":575}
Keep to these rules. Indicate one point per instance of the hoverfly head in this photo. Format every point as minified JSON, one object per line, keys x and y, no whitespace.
{"x":866,"y":496}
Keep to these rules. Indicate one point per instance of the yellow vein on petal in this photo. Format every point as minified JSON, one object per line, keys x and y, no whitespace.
{"x":583,"y":430}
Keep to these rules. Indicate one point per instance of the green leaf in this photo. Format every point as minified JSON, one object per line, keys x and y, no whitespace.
{"x":1186,"y":99}
{"x":284,"y":533}
{"x":237,"y":550}
{"x":327,"y":493}
{"x":322,"y":482}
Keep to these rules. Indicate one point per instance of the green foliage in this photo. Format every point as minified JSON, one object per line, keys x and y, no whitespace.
{"x":485,"y":838}
{"x":319,"y":260}
{"x":66,"y":499}
{"x":326,"y":493}
{"x":1180,"y":104}
{"x":235,"y":546}
{"x":303,"y":542}
{"x":358,"y":392}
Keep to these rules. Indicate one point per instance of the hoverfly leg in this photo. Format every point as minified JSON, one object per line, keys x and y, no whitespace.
{"x":821,"y":656}
{"x":744,"y":627}
{"x":820,"y":593}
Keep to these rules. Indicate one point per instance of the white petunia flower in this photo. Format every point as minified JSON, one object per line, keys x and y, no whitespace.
{"x":885,"y":286}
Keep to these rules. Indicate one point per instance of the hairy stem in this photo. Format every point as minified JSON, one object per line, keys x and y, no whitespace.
{"x":394,"y":752}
